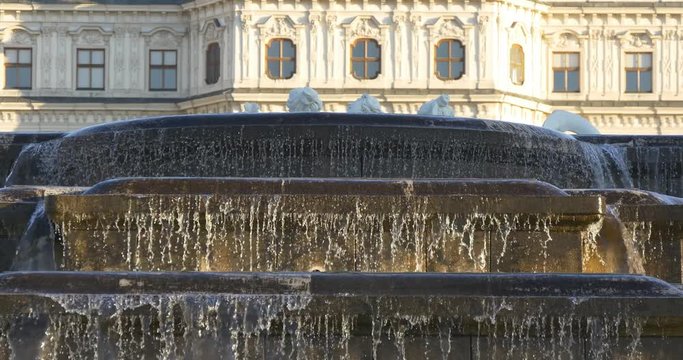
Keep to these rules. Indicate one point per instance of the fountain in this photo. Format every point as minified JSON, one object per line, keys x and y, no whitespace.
{"x":312,"y":235}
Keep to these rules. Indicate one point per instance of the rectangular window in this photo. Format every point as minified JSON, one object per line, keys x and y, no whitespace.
{"x":90,"y":69}
{"x":163,"y":70}
{"x":18,"y":68}
{"x":566,"y":72}
{"x":638,"y":72}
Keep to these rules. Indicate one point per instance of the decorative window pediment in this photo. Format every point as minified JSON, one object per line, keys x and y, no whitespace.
{"x":448,"y":27}
{"x":564,"y":40}
{"x":91,"y":36}
{"x":637,"y":40}
{"x":212,"y":33}
{"x":163,"y":38}
{"x":518,"y":32}
{"x":279,"y":26}
{"x":18,"y":36}
{"x":364,"y":27}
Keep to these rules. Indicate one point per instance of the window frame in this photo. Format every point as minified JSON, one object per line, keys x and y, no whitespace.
{"x":366,"y":59}
{"x":211,"y":63}
{"x":90,"y":67}
{"x":566,"y":71}
{"x":450,"y":60}
{"x":163,"y":68}
{"x":18,"y":65}
{"x":281,"y":59}
{"x":638,"y":69}
{"x":520,"y":65}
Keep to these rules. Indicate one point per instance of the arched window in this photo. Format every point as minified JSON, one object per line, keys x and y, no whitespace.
{"x":213,"y":63}
{"x":517,"y":64}
{"x":450,"y":59}
{"x":281,"y":59}
{"x":365,"y":59}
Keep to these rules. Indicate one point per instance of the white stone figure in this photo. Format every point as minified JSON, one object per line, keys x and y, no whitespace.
{"x":304,"y":99}
{"x":365,"y":104}
{"x":438,"y":107}
{"x":563,"y":121}
{"x":251,"y":108}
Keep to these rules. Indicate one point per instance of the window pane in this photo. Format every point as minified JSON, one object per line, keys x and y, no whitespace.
{"x":169,"y":79}
{"x":457,"y":50}
{"x":274,"y":49}
{"x":83,"y":78}
{"x":25,"y":56}
{"x":155,"y":79}
{"x":631,"y":61}
{"x":573,"y":60}
{"x":155,"y":58}
{"x":573,"y":81}
{"x":11,"y":78}
{"x":25,"y":77}
{"x":456,"y":69}
{"x":373,"y":69}
{"x":358,"y":69}
{"x":645,"y":81}
{"x":98,"y":57}
{"x":287,"y":69}
{"x":97,"y":78}
{"x":11,"y":56}
{"x":373,"y":49}
{"x":442,"y":69}
{"x":83,"y":57}
{"x":557,"y":60}
{"x":274,"y":68}
{"x":358,"y":50}
{"x":169,"y":58}
{"x":631,"y":81}
{"x":558,"y":81}
{"x":646,"y":60}
{"x":442,"y":50}
{"x":288,"y":49}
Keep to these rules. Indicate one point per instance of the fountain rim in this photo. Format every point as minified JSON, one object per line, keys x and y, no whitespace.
{"x":314,"y":120}
{"x":509,"y":285}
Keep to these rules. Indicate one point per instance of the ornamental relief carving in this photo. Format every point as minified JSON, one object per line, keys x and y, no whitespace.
{"x":91,"y":38}
{"x":278,"y":26}
{"x":163,"y":39}
{"x":212,"y":33}
{"x":636,"y":40}
{"x":448,"y":27}
{"x":364,"y":27}
{"x":17,"y":37}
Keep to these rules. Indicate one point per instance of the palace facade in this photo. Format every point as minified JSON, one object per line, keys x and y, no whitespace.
{"x":69,"y":64}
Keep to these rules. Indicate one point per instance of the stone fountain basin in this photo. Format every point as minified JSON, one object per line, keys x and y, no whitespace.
{"x":476,"y":315}
{"x":314,"y":145}
{"x":651,"y":222}
{"x":331,"y":225}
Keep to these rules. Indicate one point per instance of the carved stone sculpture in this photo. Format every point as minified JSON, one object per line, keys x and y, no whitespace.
{"x":304,"y":100}
{"x":437,"y":107}
{"x":365,"y":104}
{"x":565,"y":121}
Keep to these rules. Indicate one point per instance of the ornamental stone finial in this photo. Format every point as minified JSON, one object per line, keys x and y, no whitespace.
{"x":251,"y":108}
{"x":365,"y":104}
{"x":304,"y":100}
{"x":437,"y":107}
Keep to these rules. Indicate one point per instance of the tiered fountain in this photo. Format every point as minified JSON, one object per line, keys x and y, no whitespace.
{"x":324,"y":236}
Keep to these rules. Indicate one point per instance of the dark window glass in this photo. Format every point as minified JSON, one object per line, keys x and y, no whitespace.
{"x":365,"y":59}
{"x":639,"y":72}
{"x":163,"y":75}
{"x":450,"y":59}
{"x":18,"y":68}
{"x":281,"y":59}
{"x":213,"y":63}
{"x":90,"y":69}
{"x":566,"y":75}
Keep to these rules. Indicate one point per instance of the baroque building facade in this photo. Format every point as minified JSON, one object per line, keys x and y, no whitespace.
{"x":71,"y":64}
